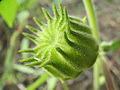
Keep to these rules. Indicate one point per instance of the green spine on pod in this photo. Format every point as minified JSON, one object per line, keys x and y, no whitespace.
{"x":64,"y":46}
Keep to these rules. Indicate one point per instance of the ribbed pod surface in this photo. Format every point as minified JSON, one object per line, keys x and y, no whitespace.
{"x":64,"y":46}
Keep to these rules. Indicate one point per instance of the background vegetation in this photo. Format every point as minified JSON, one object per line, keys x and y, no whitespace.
{"x":15,"y":76}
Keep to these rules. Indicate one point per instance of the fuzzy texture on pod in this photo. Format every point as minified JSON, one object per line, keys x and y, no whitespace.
{"x":64,"y":46}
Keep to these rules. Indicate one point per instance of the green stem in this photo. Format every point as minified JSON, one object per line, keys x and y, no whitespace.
{"x":100,"y":65}
{"x":38,"y":82}
{"x":93,"y":23}
{"x":92,"y":18}
{"x":96,"y":74}
{"x":9,"y":62}
{"x":9,"y":55}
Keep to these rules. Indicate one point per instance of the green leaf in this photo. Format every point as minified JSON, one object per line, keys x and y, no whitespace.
{"x":113,"y":45}
{"x":8,"y":9}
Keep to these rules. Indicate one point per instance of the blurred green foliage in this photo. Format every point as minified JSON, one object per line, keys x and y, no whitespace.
{"x":8,"y":9}
{"x":15,"y":12}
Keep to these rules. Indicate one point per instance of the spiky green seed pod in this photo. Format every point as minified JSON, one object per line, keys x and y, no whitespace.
{"x":64,"y":46}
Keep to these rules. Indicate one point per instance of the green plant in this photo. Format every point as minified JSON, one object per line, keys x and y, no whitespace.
{"x":38,"y":82}
{"x":100,"y":65}
{"x":7,"y":12}
{"x":65,"y":46}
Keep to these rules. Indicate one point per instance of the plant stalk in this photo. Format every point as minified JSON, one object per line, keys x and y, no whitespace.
{"x":100,"y":64}
{"x":93,"y":24}
{"x":38,"y":82}
{"x":92,"y":18}
{"x":9,"y":62}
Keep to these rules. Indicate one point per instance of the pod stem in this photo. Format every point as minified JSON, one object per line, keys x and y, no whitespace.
{"x":100,"y":63}
{"x":92,"y":18}
{"x":93,"y":24}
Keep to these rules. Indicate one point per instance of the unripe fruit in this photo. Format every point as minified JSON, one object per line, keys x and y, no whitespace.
{"x":65,"y":46}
